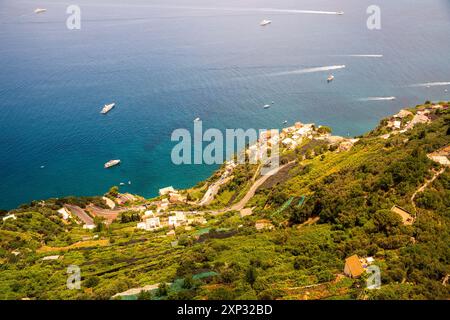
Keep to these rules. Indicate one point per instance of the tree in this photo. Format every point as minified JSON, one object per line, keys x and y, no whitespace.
{"x":250,"y":275}
{"x":91,"y":282}
{"x":163,"y":289}
{"x":386,"y":221}
{"x":324,"y":130}
{"x":114,"y":191}
{"x":99,"y":224}
{"x":188,"y":282}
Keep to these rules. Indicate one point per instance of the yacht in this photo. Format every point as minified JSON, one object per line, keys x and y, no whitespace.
{"x":40,"y":10}
{"x":107,"y":108}
{"x":196,"y":119}
{"x":122,"y":183}
{"x":265,"y":23}
{"x":340,"y":13}
{"x":266,"y":106}
{"x":330,"y":78}
{"x":111,"y":163}
{"x":285,"y":122}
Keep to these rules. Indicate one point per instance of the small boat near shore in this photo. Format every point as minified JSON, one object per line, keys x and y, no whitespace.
{"x":197,"y":119}
{"x":112,"y":163}
{"x":107,"y":108}
{"x":40,"y":10}
{"x":265,"y":23}
{"x":330,"y":78}
{"x":266,"y":106}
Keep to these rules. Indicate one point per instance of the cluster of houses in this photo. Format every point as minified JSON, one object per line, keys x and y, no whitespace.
{"x":173,"y":196}
{"x":152,"y":222}
{"x":291,"y":137}
{"x":405,"y":120}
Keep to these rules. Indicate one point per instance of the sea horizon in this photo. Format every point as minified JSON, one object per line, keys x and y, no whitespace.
{"x":179,"y":60}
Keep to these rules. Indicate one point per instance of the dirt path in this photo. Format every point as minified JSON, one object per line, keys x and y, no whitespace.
{"x":424,"y":186}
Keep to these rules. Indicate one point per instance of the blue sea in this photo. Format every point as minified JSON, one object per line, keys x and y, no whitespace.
{"x":167,"y":62}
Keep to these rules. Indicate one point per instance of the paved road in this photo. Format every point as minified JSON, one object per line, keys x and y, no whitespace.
{"x":212,"y":191}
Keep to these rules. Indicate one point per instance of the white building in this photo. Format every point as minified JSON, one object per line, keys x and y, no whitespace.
{"x":10,"y":216}
{"x":65,"y":214}
{"x":148,"y":214}
{"x":150,"y":224}
{"x":167,"y":190}
{"x":173,"y":221}
{"x":89,"y":226}
{"x":288,"y":142}
{"x":303,"y":131}
{"x":48,"y":258}
{"x":142,"y":226}
{"x":181,"y":217}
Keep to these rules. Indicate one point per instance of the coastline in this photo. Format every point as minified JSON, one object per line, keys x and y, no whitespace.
{"x":345,"y":140}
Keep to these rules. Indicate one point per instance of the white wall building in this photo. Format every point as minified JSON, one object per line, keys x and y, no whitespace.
{"x":173,"y":221}
{"x":65,"y":214}
{"x":167,"y":190}
{"x":9,"y":216}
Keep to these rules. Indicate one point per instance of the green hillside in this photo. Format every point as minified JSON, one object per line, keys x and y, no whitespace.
{"x":325,"y":205}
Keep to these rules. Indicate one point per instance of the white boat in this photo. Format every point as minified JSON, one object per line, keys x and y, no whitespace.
{"x":107,"y":108}
{"x":340,"y":13}
{"x":196,"y":119}
{"x":122,"y":183}
{"x":40,"y":10}
{"x":266,"y":106}
{"x":285,"y":122}
{"x":265,"y":23}
{"x":111,"y":163}
{"x":330,"y":78}
{"x":129,"y":182}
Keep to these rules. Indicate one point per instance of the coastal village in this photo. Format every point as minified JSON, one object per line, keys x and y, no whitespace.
{"x":175,"y":215}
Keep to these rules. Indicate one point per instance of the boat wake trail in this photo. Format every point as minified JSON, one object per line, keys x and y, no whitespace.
{"x":377,"y":99}
{"x":307,"y":70}
{"x":233,"y":9}
{"x":361,"y":55}
{"x":297,"y":11}
{"x":430,"y":84}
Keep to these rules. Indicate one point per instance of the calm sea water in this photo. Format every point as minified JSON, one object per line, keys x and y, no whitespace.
{"x":166,"y":62}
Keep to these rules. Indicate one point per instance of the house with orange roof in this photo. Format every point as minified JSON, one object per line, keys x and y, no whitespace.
{"x":353,"y":267}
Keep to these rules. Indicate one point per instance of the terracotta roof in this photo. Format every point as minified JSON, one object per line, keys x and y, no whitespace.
{"x":354,"y":266}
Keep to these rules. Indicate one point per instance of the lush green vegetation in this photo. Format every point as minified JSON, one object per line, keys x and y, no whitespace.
{"x":325,"y":207}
